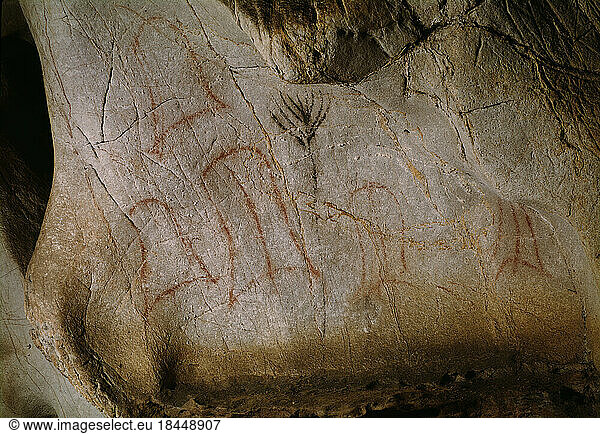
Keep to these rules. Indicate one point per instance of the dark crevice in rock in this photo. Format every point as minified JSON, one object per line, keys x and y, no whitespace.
{"x":26,"y":164}
{"x":310,"y":41}
{"x":520,"y":391}
{"x":365,"y":379}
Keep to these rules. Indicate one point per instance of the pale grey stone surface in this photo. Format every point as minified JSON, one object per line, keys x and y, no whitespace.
{"x":212,"y":225}
{"x":30,"y":386}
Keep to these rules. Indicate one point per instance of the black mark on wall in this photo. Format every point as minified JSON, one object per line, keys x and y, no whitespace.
{"x":301,"y":116}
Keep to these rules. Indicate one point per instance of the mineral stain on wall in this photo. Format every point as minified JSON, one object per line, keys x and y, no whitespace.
{"x":321,"y":208}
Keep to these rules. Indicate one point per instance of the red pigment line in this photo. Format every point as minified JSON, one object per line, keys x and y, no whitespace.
{"x":528,"y":264}
{"x":253,"y":150}
{"x":534,"y":239}
{"x":187,"y":45}
{"x":300,"y":244}
{"x":518,"y":234}
{"x":157,"y":147}
{"x":297,"y":240}
{"x":170,"y":291}
{"x":144,"y":66}
{"x":144,"y":271}
{"x":198,"y":62}
{"x":230,"y":244}
{"x":223,"y":227}
{"x":190,"y":249}
{"x":370,"y":188}
{"x":517,"y":259}
{"x":186,"y":243}
{"x":231,"y":251}
{"x":279,"y":200}
{"x":377,"y":288}
{"x":261,"y":235}
{"x":501,"y":269}
{"x":363,"y":257}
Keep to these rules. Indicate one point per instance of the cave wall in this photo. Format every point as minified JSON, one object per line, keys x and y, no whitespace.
{"x":233,"y":214}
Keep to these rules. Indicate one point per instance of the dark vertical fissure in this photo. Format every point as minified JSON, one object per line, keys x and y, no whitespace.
{"x":26,"y":156}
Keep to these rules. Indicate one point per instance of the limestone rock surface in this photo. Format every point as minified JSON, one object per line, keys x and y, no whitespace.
{"x":234,"y":227}
{"x":30,"y":386}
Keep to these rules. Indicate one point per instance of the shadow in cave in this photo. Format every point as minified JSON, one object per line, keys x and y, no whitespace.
{"x":26,"y":156}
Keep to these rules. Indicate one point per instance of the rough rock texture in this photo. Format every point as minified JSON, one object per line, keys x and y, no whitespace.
{"x":331,"y":40}
{"x":25,"y":146}
{"x":220,"y":238}
{"x":29,"y":385}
